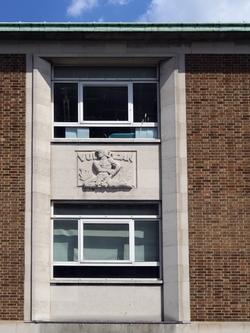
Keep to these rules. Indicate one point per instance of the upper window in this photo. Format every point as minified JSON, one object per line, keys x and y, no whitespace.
{"x":105,"y":102}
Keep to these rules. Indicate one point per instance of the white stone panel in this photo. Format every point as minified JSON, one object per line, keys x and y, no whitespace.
{"x":106,"y":303}
{"x":65,"y":179}
{"x":194,"y":327}
{"x":40,"y":217}
{"x":174,"y":190}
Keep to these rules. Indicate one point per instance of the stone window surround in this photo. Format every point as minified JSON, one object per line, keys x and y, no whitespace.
{"x":176,"y":304}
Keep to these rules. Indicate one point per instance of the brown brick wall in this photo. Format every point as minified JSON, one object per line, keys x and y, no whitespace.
{"x":12,"y":185}
{"x":218,"y":132}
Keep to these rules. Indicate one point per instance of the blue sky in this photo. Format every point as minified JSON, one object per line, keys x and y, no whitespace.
{"x":125,"y":10}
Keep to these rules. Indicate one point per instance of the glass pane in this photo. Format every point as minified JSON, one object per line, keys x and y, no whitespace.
{"x":105,"y":241}
{"x":65,"y":102}
{"x":97,"y":208}
{"x":145,"y":102}
{"x":112,"y":132}
{"x":104,"y":72}
{"x":105,"y":103}
{"x":71,"y":132}
{"x":105,"y":271}
{"x":65,"y":240}
{"x":59,"y":132}
{"x":146,"y":133}
{"x":146,"y":241}
{"x":106,"y":132}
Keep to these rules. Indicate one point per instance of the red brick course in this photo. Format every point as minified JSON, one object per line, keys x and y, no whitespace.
{"x":12,"y":184}
{"x":218,"y":140}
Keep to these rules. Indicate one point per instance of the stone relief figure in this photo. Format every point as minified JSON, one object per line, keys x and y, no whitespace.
{"x":105,"y":169}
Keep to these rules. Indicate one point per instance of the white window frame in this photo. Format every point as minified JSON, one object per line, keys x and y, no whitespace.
{"x":81,"y":123}
{"x":130,"y":223}
{"x":124,"y":123}
{"x":104,"y":220}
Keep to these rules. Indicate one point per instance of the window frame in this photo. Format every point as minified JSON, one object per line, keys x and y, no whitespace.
{"x":107,"y":262}
{"x":88,"y":124}
{"x":104,"y":222}
{"x":110,"y":123}
{"x":106,"y":219}
{"x":123,"y":123}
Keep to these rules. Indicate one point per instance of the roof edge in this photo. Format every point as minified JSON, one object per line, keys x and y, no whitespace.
{"x":122,"y":27}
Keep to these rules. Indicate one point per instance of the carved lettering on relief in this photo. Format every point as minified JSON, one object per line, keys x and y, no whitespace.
{"x":105,"y":169}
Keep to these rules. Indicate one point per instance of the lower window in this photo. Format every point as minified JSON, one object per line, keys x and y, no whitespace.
{"x":98,"y":247}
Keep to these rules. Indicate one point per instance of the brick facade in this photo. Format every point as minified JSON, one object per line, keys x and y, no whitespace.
{"x":12,"y":170}
{"x":218,"y":131}
{"x":218,"y":114}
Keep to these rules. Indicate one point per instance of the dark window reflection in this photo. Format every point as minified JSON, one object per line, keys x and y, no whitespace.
{"x":145,"y":102}
{"x":105,"y":103}
{"x":66,"y":102}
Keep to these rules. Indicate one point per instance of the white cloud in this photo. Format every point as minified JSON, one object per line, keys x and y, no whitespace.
{"x":197,"y":11}
{"x":77,"y":7}
{"x":119,"y":2}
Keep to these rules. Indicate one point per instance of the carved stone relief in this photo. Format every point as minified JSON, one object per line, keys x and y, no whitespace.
{"x":105,"y":169}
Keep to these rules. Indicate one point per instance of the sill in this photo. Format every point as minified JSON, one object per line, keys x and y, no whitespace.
{"x":107,"y":281}
{"x":105,"y":140}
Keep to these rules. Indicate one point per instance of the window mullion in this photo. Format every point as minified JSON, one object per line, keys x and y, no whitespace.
{"x":80,"y":240}
{"x":130,"y":103}
{"x":132,"y":240}
{"x":80,"y":103}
